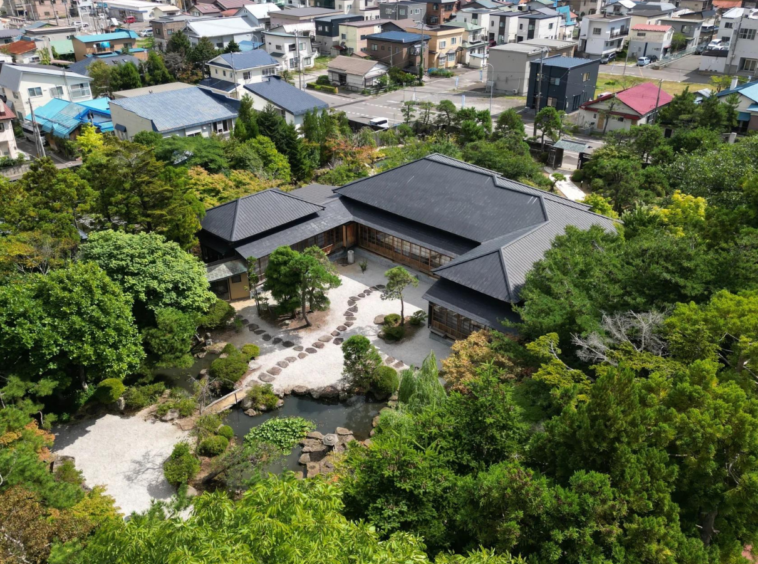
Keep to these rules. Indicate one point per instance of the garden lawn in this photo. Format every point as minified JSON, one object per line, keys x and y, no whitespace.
{"x":616,"y":83}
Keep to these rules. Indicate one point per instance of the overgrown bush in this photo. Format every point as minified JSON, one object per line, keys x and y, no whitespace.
{"x":250,"y":351}
{"x":181,"y":466}
{"x":394,"y":333}
{"x":230,"y":369}
{"x":284,"y":433}
{"x":360,"y":360}
{"x":139,"y":397}
{"x":391,"y":319}
{"x":109,"y":390}
{"x":68,"y":473}
{"x":218,"y":315}
{"x":213,"y":446}
{"x":263,"y":395}
{"x":441,"y":72}
{"x":323,"y":79}
{"x":207,"y":425}
{"x":229,"y":349}
{"x":384,"y":382}
{"x":179,"y":400}
{"x":226,"y":431}
{"x":418,"y":318}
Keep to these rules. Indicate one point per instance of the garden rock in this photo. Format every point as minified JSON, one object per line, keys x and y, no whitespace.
{"x":335,"y":333}
{"x":245,"y":322}
{"x":259,"y":331}
{"x":338,"y":341}
{"x":375,"y":421}
{"x":266,"y":337}
{"x":121,"y":404}
{"x":314,"y":435}
{"x":313,"y":469}
{"x":318,"y":345}
{"x":291,"y":359}
{"x":250,"y":412}
{"x":331,"y":440}
{"x":398,"y":364}
{"x":276,"y":341}
{"x":353,"y":309}
{"x":325,"y":338}
{"x":253,"y":326}
{"x":343,"y":431}
{"x":361,"y":295}
{"x":380,"y":286}
{"x":350,"y":302}
{"x":216,"y":347}
{"x":172,"y":415}
{"x":389,"y":360}
{"x":299,"y":348}
{"x":282,"y":364}
{"x":191,"y":492}
{"x":379,"y":320}
{"x":252,"y":365}
{"x":201,"y":354}
{"x":302,"y":355}
{"x":348,"y":323}
{"x":268,"y":378}
{"x":203,"y":373}
{"x":223,"y":355}
{"x":288,"y":344}
{"x":299,"y":390}
{"x":350,"y":318}
{"x":341,"y":328}
{"x":274,"y":370}
{"x":313,"y":445}
{"x":305,"y":458}
{"x":347,"y":313}
{"x":311,"y":350}
{"x":327,"y":392}
{"x":327,"y":466}
{"x":354,"y":298}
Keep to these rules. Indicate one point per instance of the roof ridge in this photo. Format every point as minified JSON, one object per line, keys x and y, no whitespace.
{"x":298,"y":198}
{"x":232,"y":234}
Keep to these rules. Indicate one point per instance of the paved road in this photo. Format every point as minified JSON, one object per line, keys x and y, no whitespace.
{"x":682,"y":70}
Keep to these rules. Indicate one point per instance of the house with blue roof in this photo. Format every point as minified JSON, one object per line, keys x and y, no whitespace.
{"x":566,"y":83}
{"x":292,"y":102}
{"x":747,"y":109}
{"x":400,"y":49}
{"x":188,"y":112}
{"x":61,"y":119}
{"x":228,"y":73}
{"x":101,"y":43}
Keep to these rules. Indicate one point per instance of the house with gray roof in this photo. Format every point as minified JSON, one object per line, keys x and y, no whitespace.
{"x":228,"y":73}
{"x":82,"y":67}
{"x":477,"y":232}
{"x":187,"y":112}
{"x":292,"y":102}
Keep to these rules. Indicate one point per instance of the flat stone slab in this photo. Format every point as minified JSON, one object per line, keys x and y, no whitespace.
{"x":314,"y":435}
{"x":244,"y":321}
{"x":252,"y":365}
{"x":351,"y":302}
{"x":335,"y":333}
{"x":275,"y":370}
{"x":361,"y":295}
{"x":380,"y":286}
{"x":348,"y":313}
{"x":299,"y":348}
{"x":288,"y":344}
{"x":338,"y":341}
{"x":266,"y":337}
{"x":268,"y":378}
{"x":254,"y":326}
{"x":318,"y":345}
{"x":282,"y":364}
{"x":350,"y":318}
{"x":341,"y":328}
{"x":353,"y":309}
{"x":398,"y":364}
{"x":276,"y":341}
{"x":325,"y":338}
{"x":373,"y":288}
{"x":379,"y":320}
{"x":259,"y":331}
{"x":354,"y":298}
{"x":343,"y":431}
{"x":302,"y":355}
{"x":348,"y":323}
{"x":390,"y":360}
{"x":311,"y":350}
{"x":300,"y":390}
{"x":291,"y":359}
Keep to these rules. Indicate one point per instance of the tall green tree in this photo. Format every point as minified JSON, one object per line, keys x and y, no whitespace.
{"x":179,"y":43}
{"x":282,"y":281}
{"x":155,"y":71}
{"x":550,"y":123}
{"x":126,"y":76}
{"x":398,"y":279}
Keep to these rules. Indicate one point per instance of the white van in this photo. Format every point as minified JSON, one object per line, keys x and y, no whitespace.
{"x":379,"y":123}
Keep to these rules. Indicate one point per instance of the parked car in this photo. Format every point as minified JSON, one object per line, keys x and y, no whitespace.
{"x":379,"y":123}
{"x":643,"y":61}
{"x":718,"y":45}
{"x":81,"y":25}
{"x":607,"y":58}
{"x":147,"y":32}
{"x":28,"y":130}
{"x":130,"y":19}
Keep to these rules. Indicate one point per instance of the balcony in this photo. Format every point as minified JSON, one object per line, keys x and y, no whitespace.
{"x":621,"y":32}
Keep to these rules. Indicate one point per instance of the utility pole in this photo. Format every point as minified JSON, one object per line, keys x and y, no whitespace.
{"x":658,"y":99}
{"x":38,"y":143}
{"x":539,"y":92}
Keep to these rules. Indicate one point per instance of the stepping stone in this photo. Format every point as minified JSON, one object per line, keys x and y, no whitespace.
{"x":335,"y":333}
{"x":276,"y":341}
{"x":251,"y":328}
{"x":341,"y":328}
{"x":318,"y":345}
{"x":347,"y":313}
{"x":291,"y":359}
{"x":338,"y":341}
{"x":266,"y":378}
{"x":299,"y":348}
{"x":379,"y":320}
{"x":350,"y":318}
{"x":398,"y":364}
{"x":245,"y":322}
{"x":373,"y":288}
{"x":348,"y":323}
{"x":310,"y":350}
{"x":390,"y":360}
{"x":259,"y":331}
{"x":380,"y":286}
{"x":288,"y":344}
{"x":252,"y":365}
{"x":353,"y":309}
{"x":266,"y":337}
{"x":282,"y":364}
{"x":361,"y":295}
{"x":274,"y":371}
{"x":354,"y":298}
{"x":325,"y":338}
{"x":254,"y":326}
{"x":301,"y":355}
{"x":350,"y":302}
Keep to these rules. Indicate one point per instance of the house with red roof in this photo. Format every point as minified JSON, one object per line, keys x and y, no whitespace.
{"x":623,"y":110}
{"x":22,"y":51}
{"x":648,"y":40}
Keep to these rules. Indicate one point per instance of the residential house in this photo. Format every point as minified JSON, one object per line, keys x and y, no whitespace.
{"x":51,"y":35}
{"x":38,"y":10}
{"x":221,"y":31}
{"x":650,"y":12}
{"x":569,"y":22}
{"x":586,"y":7}
{"x":747,"y":108}
{"x":554,"y":46}
{"x":445,"y":43}
{"x":741,"y":57}
{"x":22,"y":85}
{"x":300,"y":19}
{"x":511,"y":67}
{"x":62,"y":120}
{"x":479,"y":244}
{"x":474,"y":16}
{"x":8,"y":147}
{"x":205,"y":10}
{"x":228,"y":5}
{"x":687,"y":27}
{"x":403,"y":10}
{"x":619,"y":7}
{"x":21,"y":52}
{"x":291,"y":102}
{"x":648,"y":40}
{"x":82,"y":67}
{"x":695,"y":5}
{"x":474,"y":50}
{"x":141,"y":11}
{"x":400,"y":49}
{"x":10,"y":35}
{"x":155,"y":89}
{"x":101,"y":43}
{"x":165,"y":27}
{"x":440,"y":11}
{"x":259,"y":14}
{"x":328,"y":31}
{"x":504,"y":27}
{"x":637,"y":105}
{"x":565,"y":83}
{"x":355,"y":73}
{"x":292,"y":51}
{"x":600,"y":34}
{"x":188,"y":112}
{"x":228,"y":73}
{"x":542,"y":23}
{"x":353,"y":36}
{"x":489,"y":5}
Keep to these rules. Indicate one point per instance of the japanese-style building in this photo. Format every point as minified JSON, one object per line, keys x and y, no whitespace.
{"x":475,"y":231}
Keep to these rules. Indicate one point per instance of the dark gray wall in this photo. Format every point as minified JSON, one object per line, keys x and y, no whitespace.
{"x":571,"y":90}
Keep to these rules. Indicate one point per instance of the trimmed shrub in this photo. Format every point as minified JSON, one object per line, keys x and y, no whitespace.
{"x":181,"y":466}
{"x":226,"y":431}
{"x":139,"y":397}
{"x":230,"y":369}
{"x":391,"y":319}
{"x":578,"y":176}
{"x":68,"y":473}
{"x":441,"y":72}
{"x":418,"y":318}
{"x":384,"y":382}
{"x":323,"y":79}
{"x":394,"y":333}
{"x":109,"y":390}
{"x":263,"y":395}
{"x":250,"y":351}
{"x":322,"y":88}
{"x":229,"y":349}
{"x":218,"y":315}
{"x":207,"y":425}
{"x":213,"y":446}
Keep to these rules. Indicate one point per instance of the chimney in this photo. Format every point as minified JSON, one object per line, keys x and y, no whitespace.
{"x":733,"y":85}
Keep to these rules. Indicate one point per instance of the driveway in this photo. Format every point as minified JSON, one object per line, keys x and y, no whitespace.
{"x":681,"y":70}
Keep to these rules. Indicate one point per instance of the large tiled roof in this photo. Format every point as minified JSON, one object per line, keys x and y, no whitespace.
{"x":246,"y":60}
{"x":256,"y":214}
{"x":352,"y":65}
{"x":398,"y":37}
{"x":179,"y":109}
{"x":283,"y":94}
{"x":567,"y":62}
{"x":98,"y":37}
